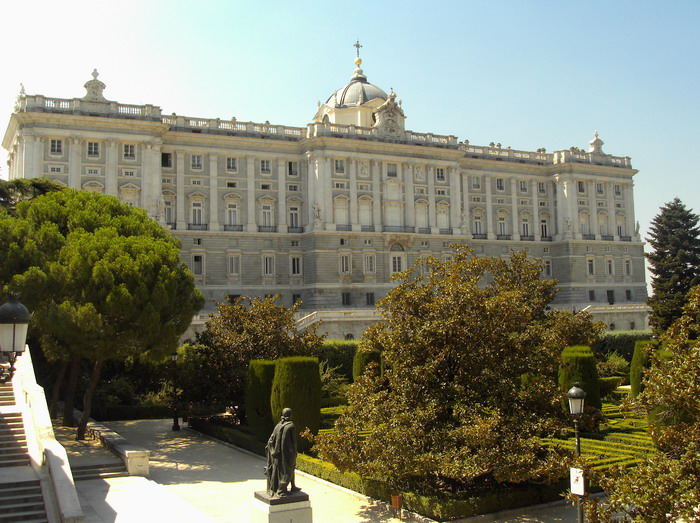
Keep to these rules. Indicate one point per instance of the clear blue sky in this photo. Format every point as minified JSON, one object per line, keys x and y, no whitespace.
{"x":528,"y":74}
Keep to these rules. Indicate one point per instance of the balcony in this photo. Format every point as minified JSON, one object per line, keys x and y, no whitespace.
{"x":343,"y":227}
{"x":588,"y":236}
{"x":527,"y":238}
{"x":503,"y":237}
{"x":626,"y":238}
{"x":267,"y":228}
{"x":295,"y":229}
{"x":197,"y":226}
{"x":607,"y":237}
{"x":546,"y":238}
{"x":233,"y":227}
{"x":423,"y":230}
{"x":367,"y":228}
{"x":446,"y":230}
{"x":478,"y":236}
{"x":398,"y":228}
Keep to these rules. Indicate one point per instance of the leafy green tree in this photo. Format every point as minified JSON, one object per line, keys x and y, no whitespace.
{"x":104,"y":280}
{"x":666,"y":486}
{"x":14,"y":191}
{"x":452,"y":409}
{"x":247,"y":329}
{"x":674,"y":262}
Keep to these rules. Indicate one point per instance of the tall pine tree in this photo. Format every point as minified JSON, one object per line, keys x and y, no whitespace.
{"x":674,"y":263}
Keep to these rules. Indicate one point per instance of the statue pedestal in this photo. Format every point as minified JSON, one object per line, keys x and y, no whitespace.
{"x":295,"y":508}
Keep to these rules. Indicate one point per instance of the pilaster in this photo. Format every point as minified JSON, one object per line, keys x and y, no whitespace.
{"x":535,"y":211}
{"x":514,"y":207}
{"x":593,"y":206}
{"x":111,"y":180}
{"x":74,"y":162}
{"x":213,"y":192}
{"x":612,"y":230}
{"x":376,"y":196}
{"x":629,"y":210}
{"x":327,"y":194}
{"x":250,"y":192}
{"x":455,"y":200}
{"x":489,"y":209}
{"x":181,"y":219}
{"x":409,"y":194}
{"x":432,"y":207}
{"x":281,"y":196}
{"x":354,"y":217}
{"x":466,"y":218}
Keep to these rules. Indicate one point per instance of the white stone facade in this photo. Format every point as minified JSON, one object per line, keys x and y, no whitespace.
{"x":327,"y":212}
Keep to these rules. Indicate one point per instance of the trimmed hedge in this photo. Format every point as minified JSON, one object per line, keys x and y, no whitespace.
{"x":640,"y":362}
{"x":340,"y":354}
{"x":578,"y":364}
{"x":608,"y":385}
{"x":297,"y":385}
{"x":362,"y":359}
{"x":261,"y":374}
{"x":621,"y":342}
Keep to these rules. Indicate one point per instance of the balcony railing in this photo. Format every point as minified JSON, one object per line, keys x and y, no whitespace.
{"x":343,"y":227}
{"x":398,"y":228}
{"x":588,"y":236}
{"x":423,"y":230}
{"x":267,"y":228}
{"x":546,"y":238}
{"x":479,"y":236}
{"x":503,"y":236}
{"x":446,"y":230}
{"x":626,"y":238}
{"x":607,"y":237}
{"x":233,"y":227}
{"x":197,"y":226}
{"x":295,"y":229}
{"x":527,"y":238}
{"x":367,"y":228}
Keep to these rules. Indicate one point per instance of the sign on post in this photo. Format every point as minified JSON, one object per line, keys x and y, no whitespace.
{"x":577,"y":484}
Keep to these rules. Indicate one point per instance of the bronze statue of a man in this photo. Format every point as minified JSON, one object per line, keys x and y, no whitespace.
{"x":281,"y":452}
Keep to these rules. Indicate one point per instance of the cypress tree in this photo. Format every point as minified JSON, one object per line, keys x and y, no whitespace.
{"x":578,"y":364}
{"x":362,"y":359}
{"x":261,"y":373}
{"x":674,"y":263}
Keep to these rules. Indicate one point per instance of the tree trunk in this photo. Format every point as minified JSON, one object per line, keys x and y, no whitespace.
{"x":87,"y":400}
{"x":69,"y":398}
{"x":56,"y":389}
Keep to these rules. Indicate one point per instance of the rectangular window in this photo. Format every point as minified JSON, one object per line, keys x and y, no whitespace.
{"x":232,"y":214}
{"x":340,"y":185}
{"x":581,"y":187}
{"x":440,"y":174}
{"x":295,"y":265}
{"x":363,"y":187}
{"x":611,"y":297}
{"x":56,"y":147}
{"x":340,"y":166}
{"x":392,"y":170}
{"x":369,"y":264}
{"x":543,"y":204}
{"x":369,"y":298}
{"x":628,"y":267}
{"x":628,"y":294}
{"x":266,"y":215}
{"x":420,"y":190}
{"x":396,"y":263}
{"x":591,"y":267}
{"x":500,"y":200}
{"x":476,"y":199}
{"x":198,"y":264}
{"x":128,"y":173}
{"x":294,"y":216}
{"x":196,"y":161}
{"x":265,"y":186}
{"x":611,"y":267}
{"x":292,"y":168}
{"x":500,"y":184}
{"x":265,"y":166}
{"x":524,"y":202}
{"x":93,"y":149}
{"x":292,"y":188}
{"x":618,"y":190}
{"x":440,"y":192}
{"x":268,"y":265}
{"x":476,"y":182}
{"x":231,"y":185}
{"x":55,"y":169}
{"x":368,"y":242}
{"x":166,"y":159}
{"x":197,"y":213}
{"x":344,"y":263}
{"x":168,"y":211}
{"x":541,"y":188}
{"x":591,"y":295}
{"x":129,"y":151}
{"x":345,"y":296}
{"x":523,"y":186}
{"x":196,"y":182}
{"x":93,"y":172}
{"x":599,"y":188}
{"x":231,"y":164}
{"x":234,"y":264}
{"x":548,"y":267}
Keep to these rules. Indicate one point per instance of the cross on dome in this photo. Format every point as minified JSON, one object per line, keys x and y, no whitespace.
{"x":95,"y":74}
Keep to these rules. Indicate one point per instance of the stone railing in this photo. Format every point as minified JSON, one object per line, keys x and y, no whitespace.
{"x":336,"y":315}
{"x":47,"y":456}
{"x":233,"y":126}
{"x":578,"y":156}
{"x":80,"y":106}
{"x":352,"y":131}
{"x":498,"y":153}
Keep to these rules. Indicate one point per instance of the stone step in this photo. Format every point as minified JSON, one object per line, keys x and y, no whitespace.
{"x":23,"y":507}
{"x":14,"y":462}
{"x":102,"y":475}
{"x":26,"y":516}
{"x":21,"y":498}
{"x":13,"y":435}
{"x":20,"y":491}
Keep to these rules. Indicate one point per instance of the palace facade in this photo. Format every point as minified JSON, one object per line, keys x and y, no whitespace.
{"x":326,"y":213}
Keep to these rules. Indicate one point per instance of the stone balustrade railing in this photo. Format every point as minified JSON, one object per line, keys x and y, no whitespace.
{"x":352,"y":131}
{"x":80,"y":106}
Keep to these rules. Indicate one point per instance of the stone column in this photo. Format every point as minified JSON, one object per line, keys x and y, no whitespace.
{"x":18,"y":164}
{"x":629,"y":209}
{"x":148,"y":197}
{"x":74,"y":163}
{"x":213,"y":192}
{"x":432,"y":207}
{"x":455,"y":200}
{"x":39,"y":155}
{"x":327,"y":194}
{"x":111,"y":176}
{"x":489,"y":209}
{"x":409,"y":194}
{"x":593,"y":206}
{"x":466,"y":218}
{"x":514,"y":207}
{"x":535,"y":211}
{"x":250,"y":191}
{"x":354,"y":216}
{"x":612,"y":229}
{"x":281,"y":195}
{"x":31,"y":168}
{"x":376,"y":196}
{"x":180,"y":202}
{"x":562,"y":208}
{"x":312,"y":191}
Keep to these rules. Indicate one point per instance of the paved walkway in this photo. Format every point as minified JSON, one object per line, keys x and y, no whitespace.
{"x":195,"y":478}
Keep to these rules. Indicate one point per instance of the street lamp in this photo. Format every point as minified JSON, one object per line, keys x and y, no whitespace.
{"x":14,"y":322}
{"x":176,"y":417}
{"x":577,"y":397}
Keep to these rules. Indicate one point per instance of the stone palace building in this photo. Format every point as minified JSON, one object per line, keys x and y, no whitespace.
{"x":326,"y":213}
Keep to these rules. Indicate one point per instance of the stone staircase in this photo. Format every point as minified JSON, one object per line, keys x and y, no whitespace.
{"x":87,"y":472}
{"x":21,"y":497}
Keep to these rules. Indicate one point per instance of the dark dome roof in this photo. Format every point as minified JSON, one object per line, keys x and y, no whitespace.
{"x":357,"y":92}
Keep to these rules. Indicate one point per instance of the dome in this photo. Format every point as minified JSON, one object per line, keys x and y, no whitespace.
{"x":359,"y":91}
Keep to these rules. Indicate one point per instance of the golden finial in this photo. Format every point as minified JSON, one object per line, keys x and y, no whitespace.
{"x":358,"y":60}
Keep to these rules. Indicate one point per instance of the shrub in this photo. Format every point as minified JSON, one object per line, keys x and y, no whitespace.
{"x":614,"y":365}
{"x":608,"y":384}
{"x":339,"y":354}
{"x":578,"y":364}
{"x":333,"y":386}
{"x":621,"y":342}
{"x":640,"y":362}
{"x":362,"y":359}
{"x":261,"y":374}
{"x":297,"y":385}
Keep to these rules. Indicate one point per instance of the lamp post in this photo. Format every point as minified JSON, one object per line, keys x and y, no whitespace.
{"x":14,"y":322}
{"x":176,"y":418}
{"x":577,"y":397}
